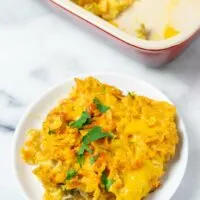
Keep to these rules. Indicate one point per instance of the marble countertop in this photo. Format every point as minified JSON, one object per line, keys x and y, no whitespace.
{"x":41,"y":46}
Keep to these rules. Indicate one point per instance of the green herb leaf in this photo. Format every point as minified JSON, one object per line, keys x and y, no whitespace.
{"x":131,"y":94}
{"x":51,"y":132}
{"x":70,"y":174}
{"x":106,"y":182}
{"x":84,"y":119}
{"x":102,"y":108}
{"x":103,"y":89}
{"x":95,"y":134}
{"x":80,"y":159}
{"x":84,"y":147}
{"x":93,"y":159}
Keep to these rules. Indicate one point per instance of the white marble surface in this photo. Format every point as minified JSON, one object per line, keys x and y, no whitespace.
{"x":41,"y":46}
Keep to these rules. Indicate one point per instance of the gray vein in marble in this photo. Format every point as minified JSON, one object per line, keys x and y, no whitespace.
{"x":40,"y":74}
{"x":10,"y":107}
{"x":6,"y":128}
{"x":9,"y":99}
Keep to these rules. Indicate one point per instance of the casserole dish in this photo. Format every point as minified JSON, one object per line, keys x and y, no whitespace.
{"x":150,"y":52}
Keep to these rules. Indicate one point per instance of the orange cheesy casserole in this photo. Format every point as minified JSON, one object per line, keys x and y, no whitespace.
{"x":99,"y":144}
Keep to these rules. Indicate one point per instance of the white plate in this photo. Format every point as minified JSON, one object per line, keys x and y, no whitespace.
{"x":35,"y":115}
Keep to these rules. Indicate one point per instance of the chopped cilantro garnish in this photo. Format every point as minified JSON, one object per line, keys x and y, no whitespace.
{"x":51,"y":132}
{"x":80,"y":159}
{"x":103,"y":89}
{"x":131,"y":94}
{"x":95,"y":134}
{"x":106,"y":182}
{"x":70,"y":174}
{"x":93,"y":159}
{"x":84,"y":119}
{"x":102,"y":108}
{"x":84,"y":147}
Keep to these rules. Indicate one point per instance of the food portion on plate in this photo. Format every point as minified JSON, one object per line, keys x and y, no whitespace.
{"x":101,"y":144}
{"x":147,"y":19}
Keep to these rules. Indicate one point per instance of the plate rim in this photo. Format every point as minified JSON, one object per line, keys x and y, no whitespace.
{"x":37,"y":100}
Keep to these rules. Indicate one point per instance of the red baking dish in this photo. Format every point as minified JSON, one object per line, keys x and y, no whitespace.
{"x":152,"y":53}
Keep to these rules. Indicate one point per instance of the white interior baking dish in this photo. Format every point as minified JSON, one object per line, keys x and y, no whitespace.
{"x":189,"y":26}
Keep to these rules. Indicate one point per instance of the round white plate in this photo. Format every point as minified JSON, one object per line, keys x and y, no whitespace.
{"x":32,"y":188}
